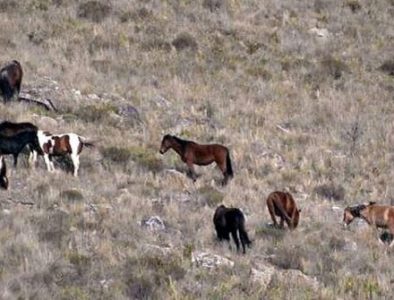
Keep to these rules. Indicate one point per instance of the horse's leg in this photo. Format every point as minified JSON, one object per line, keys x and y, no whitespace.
{"x":47,"y":162}
{"x":282,"y":223}
{"x":15,"y":159}
{"x":243,"y":242}
{"x":222,"y":167}
{"x":235,"y":238}
{"x":192,"y":173}
{"x":31,"y":158}
{"x":226,"y":236}
{"x":75,"y":159}
{"x":35,"y":154}
{"x":271,"y":210}
{"x":391,"y":230}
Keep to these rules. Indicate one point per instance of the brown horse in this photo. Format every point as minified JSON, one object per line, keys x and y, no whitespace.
{"x":10,"y":80}
{"x":381,"y":216}
{"x":3,"y":174}
{"x":282,"y":204}
{"x":192,"y":153}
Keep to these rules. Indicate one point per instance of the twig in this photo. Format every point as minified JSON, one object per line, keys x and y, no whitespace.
{"x":282,"y":128}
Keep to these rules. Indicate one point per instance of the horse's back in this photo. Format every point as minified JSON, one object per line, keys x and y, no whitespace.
{"x":284,"y":199}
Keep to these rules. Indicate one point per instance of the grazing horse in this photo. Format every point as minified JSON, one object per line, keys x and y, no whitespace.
{"x":202,"y":155}
{"x":15,"y":144}
{"x":381,"y":216}
{"x":230,"y":220}
{"x":61,"y":145}
{"x":282,"y":204}
{"x":3,"y":174}
{"x":10,"y":80}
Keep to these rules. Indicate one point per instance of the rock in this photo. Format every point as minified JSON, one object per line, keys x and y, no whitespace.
{"x":350,"y":246}
{"x":155,"y":249}
{"x":263,"y":276}
{"x":299,"y":278}
{"x":321,"y":33}
{"x":46,"y":123}
{"x":209,"y":260}
{"x":154,"y":223}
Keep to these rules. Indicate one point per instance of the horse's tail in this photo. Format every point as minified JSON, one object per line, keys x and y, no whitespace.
{"x":83,"y":141}
{"x":243,"y":234}
{"x":229,"y":168}
{"x":283,"y":212}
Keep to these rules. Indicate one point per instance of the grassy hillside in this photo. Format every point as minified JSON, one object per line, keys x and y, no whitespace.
{"x":295,"y":89}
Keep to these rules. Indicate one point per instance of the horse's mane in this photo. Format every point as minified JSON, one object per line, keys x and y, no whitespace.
{"x":183,"y":143}
{"x":355,"y":210}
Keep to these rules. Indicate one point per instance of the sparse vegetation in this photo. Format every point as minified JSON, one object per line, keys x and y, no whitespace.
{"x":301,"y":92}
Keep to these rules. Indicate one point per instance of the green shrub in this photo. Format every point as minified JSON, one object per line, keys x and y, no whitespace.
{"x":116,"y":155}
{"x":146,"y":158}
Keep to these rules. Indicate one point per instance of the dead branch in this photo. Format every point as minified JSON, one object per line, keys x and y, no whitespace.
{"x":39,"y":103}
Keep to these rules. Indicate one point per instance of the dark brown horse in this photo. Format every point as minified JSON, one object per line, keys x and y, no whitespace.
{"x":3,"y":174}
{"x":10,"y":80}
{"x":10,"y":128}
{"x":381,"y":216}
{"x":231,"y":220}
{"x":282,"y":204}
{"x":195,"y":154}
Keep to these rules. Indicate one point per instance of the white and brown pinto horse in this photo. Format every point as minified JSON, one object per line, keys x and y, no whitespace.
{"x":61,"y":145}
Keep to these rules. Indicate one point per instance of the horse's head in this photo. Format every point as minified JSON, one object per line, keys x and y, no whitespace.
{"x":296,"y":218}
{"x":166,"y":143}
{"x":352,"y":212}
{"x":3,"y":174}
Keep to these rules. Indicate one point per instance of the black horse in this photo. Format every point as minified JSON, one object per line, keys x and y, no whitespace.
{"x":15,"y":144}
{"x":231,"y":220}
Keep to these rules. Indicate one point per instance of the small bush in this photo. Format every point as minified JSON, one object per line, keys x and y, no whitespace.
{"x":72,"y":195}
{"x":213,"y":5}
{"x":185,"y":41}
{"x":94,"y":11}
{"x":96,"y":113}
{"x":333,"y":67}
{"x":388,"y":67}
{"x":146,"y":158}
{"x":354,"y":5}
{"x":330,"y":191}
{"x":116,"y":155}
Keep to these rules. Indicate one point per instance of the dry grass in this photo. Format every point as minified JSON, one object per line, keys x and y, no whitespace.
{"x":307,"y":113}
